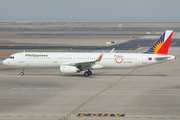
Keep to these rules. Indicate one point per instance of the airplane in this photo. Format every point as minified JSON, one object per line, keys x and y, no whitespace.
{"x":75,"y":62}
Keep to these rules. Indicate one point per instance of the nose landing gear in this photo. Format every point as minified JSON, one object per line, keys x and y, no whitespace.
{"x":22,"y":72}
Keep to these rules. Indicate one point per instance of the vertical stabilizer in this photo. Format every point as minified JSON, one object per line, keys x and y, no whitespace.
{"x":161,"y":46}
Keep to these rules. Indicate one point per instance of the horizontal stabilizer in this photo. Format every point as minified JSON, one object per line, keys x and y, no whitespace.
{"x":165,"y":57}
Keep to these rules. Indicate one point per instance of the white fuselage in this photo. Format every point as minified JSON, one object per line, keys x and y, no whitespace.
{"x":108,"y":61}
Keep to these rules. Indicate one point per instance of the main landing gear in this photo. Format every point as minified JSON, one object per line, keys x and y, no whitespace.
{"x":22,"y":72}
{"x":87,"y":73}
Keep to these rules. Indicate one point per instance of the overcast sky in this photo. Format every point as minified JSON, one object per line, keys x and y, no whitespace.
{"x":91,"y":10}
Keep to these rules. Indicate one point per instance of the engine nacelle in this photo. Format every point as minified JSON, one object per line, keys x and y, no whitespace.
{"x":68,"y":69}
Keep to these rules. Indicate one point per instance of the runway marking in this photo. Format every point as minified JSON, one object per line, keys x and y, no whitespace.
{"x":100,"y":115}
{"x":100,"y":93}
{"x":35,"y":88}
{"x":119,"y":115}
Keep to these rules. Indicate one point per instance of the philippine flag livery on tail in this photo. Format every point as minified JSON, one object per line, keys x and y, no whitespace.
{"x":161,"y":46}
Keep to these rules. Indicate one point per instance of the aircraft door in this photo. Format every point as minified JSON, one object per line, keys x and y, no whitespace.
{"x":144,"y":59}
{"x":21,"y":58}
{"x":55,"y":59}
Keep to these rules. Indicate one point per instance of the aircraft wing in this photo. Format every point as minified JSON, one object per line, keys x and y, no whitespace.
{"x":84,"y":65}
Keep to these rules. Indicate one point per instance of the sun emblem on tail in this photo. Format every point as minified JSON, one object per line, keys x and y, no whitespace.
{"x":157,"y":45}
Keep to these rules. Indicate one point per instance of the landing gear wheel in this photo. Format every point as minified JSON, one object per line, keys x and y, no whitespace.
{"x":89,"y":72}
{"x":86,"y":74}
{"x":21,"y":73}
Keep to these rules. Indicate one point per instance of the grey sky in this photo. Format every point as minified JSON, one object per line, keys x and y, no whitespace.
{"x":138,"y":10}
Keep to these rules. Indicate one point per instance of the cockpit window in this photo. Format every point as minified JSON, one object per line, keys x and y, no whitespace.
{"x":11,"y":57}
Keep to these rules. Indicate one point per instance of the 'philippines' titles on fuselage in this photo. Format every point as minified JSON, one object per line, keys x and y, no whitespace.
{"x":36,"y":55}
{"x":73,"y":62}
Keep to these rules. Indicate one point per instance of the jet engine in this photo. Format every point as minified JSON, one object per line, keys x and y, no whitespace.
{"x":68,"y":69}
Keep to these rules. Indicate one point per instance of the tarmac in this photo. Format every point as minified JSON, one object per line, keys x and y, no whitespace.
{"x":151,"y":93}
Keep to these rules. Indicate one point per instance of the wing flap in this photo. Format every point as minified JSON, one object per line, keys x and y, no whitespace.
{"x":84,"y":64}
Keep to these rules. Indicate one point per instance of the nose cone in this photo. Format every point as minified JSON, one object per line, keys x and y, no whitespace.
{"x":5,"y":62}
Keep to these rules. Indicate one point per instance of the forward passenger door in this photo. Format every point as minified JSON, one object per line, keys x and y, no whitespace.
{"x":55,"y":59}
{"x":21,"y":58}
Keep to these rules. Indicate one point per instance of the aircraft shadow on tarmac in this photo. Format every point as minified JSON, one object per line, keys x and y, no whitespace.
{"x":109,"y":74}
{"x":82,"y":75}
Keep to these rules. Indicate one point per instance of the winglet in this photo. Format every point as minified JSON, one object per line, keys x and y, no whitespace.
{"x":100,"y":57}
{"x":161,"y":46}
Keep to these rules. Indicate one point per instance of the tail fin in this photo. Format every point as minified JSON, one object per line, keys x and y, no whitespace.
{"x":161,"y":46}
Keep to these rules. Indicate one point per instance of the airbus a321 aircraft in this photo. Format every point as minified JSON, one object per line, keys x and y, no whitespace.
{"x":75,"y":62}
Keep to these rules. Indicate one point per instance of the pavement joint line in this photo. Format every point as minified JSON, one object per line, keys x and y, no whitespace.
{"x":155,"y":117}
{"x":133,"y":48}
{"x":26,"y":116}
{"x":100,"y":93}
{"x":151,"y":43}
{"x":174,"y":42}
